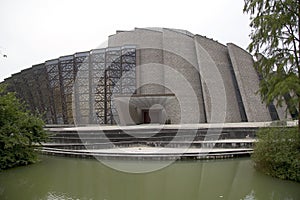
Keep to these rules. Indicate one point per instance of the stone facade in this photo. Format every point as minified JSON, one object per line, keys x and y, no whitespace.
{"x":178,"y":76}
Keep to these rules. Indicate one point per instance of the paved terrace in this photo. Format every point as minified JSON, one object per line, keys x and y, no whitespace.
{"x":162,"y":126}
{"x":154,"y":141}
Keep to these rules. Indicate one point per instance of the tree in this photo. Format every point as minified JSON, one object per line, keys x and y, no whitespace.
{"x":275,"y":39}
{"x":20,"y":132}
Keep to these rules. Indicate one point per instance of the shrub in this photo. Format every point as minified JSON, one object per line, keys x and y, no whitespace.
{"x":20,"y":131}
{"x":277,"y":152}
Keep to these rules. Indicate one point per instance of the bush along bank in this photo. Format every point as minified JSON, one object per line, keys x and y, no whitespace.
{"x":277,"y":152}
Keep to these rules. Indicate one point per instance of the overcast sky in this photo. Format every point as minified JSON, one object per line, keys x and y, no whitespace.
{"x":33,"y":31}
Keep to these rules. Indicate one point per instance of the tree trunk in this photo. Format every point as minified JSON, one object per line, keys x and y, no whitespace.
{"x":299,"y":115}
{"x":298,"y":67}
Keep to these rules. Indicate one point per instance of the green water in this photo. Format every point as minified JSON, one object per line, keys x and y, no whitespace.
{"x":68,"y":178}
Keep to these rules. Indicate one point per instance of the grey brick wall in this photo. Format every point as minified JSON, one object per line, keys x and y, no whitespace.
{"x":248,"y":83}
{"x":213,"y":72}
{"x":214,"y":55}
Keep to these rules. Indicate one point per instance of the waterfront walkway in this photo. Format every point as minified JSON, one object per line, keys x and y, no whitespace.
{"x":84,"y":128}
{"x":154,"y":141}
{"x":190,"y":141}
{"x":153,"y":153}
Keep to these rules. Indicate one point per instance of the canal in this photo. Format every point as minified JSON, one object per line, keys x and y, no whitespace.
{"x":84,"y":179}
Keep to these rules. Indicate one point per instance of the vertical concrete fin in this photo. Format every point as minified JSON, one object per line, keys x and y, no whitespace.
{"x":216,"y":80}
{"x":180,"y":55}
{"x":248,"y":83}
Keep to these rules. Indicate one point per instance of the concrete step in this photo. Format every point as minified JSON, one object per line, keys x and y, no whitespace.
{"x":146,"y":153}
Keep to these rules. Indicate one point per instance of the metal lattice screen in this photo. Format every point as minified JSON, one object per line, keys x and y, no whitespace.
{"x":78,"y":87}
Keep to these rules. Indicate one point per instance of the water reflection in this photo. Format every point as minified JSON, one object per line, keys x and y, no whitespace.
{"x":66,"y":178}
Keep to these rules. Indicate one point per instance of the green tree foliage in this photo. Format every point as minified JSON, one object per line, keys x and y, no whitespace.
{"x":278,"y":152}
{"x":20,"y":132}
{"x":275,"y":41}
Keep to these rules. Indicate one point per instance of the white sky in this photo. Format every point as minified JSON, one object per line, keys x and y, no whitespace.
{"x":33,"y":31}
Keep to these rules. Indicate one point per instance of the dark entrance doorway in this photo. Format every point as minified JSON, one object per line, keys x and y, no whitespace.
{"x":146,"y":117}
{"x":152,"y":116}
